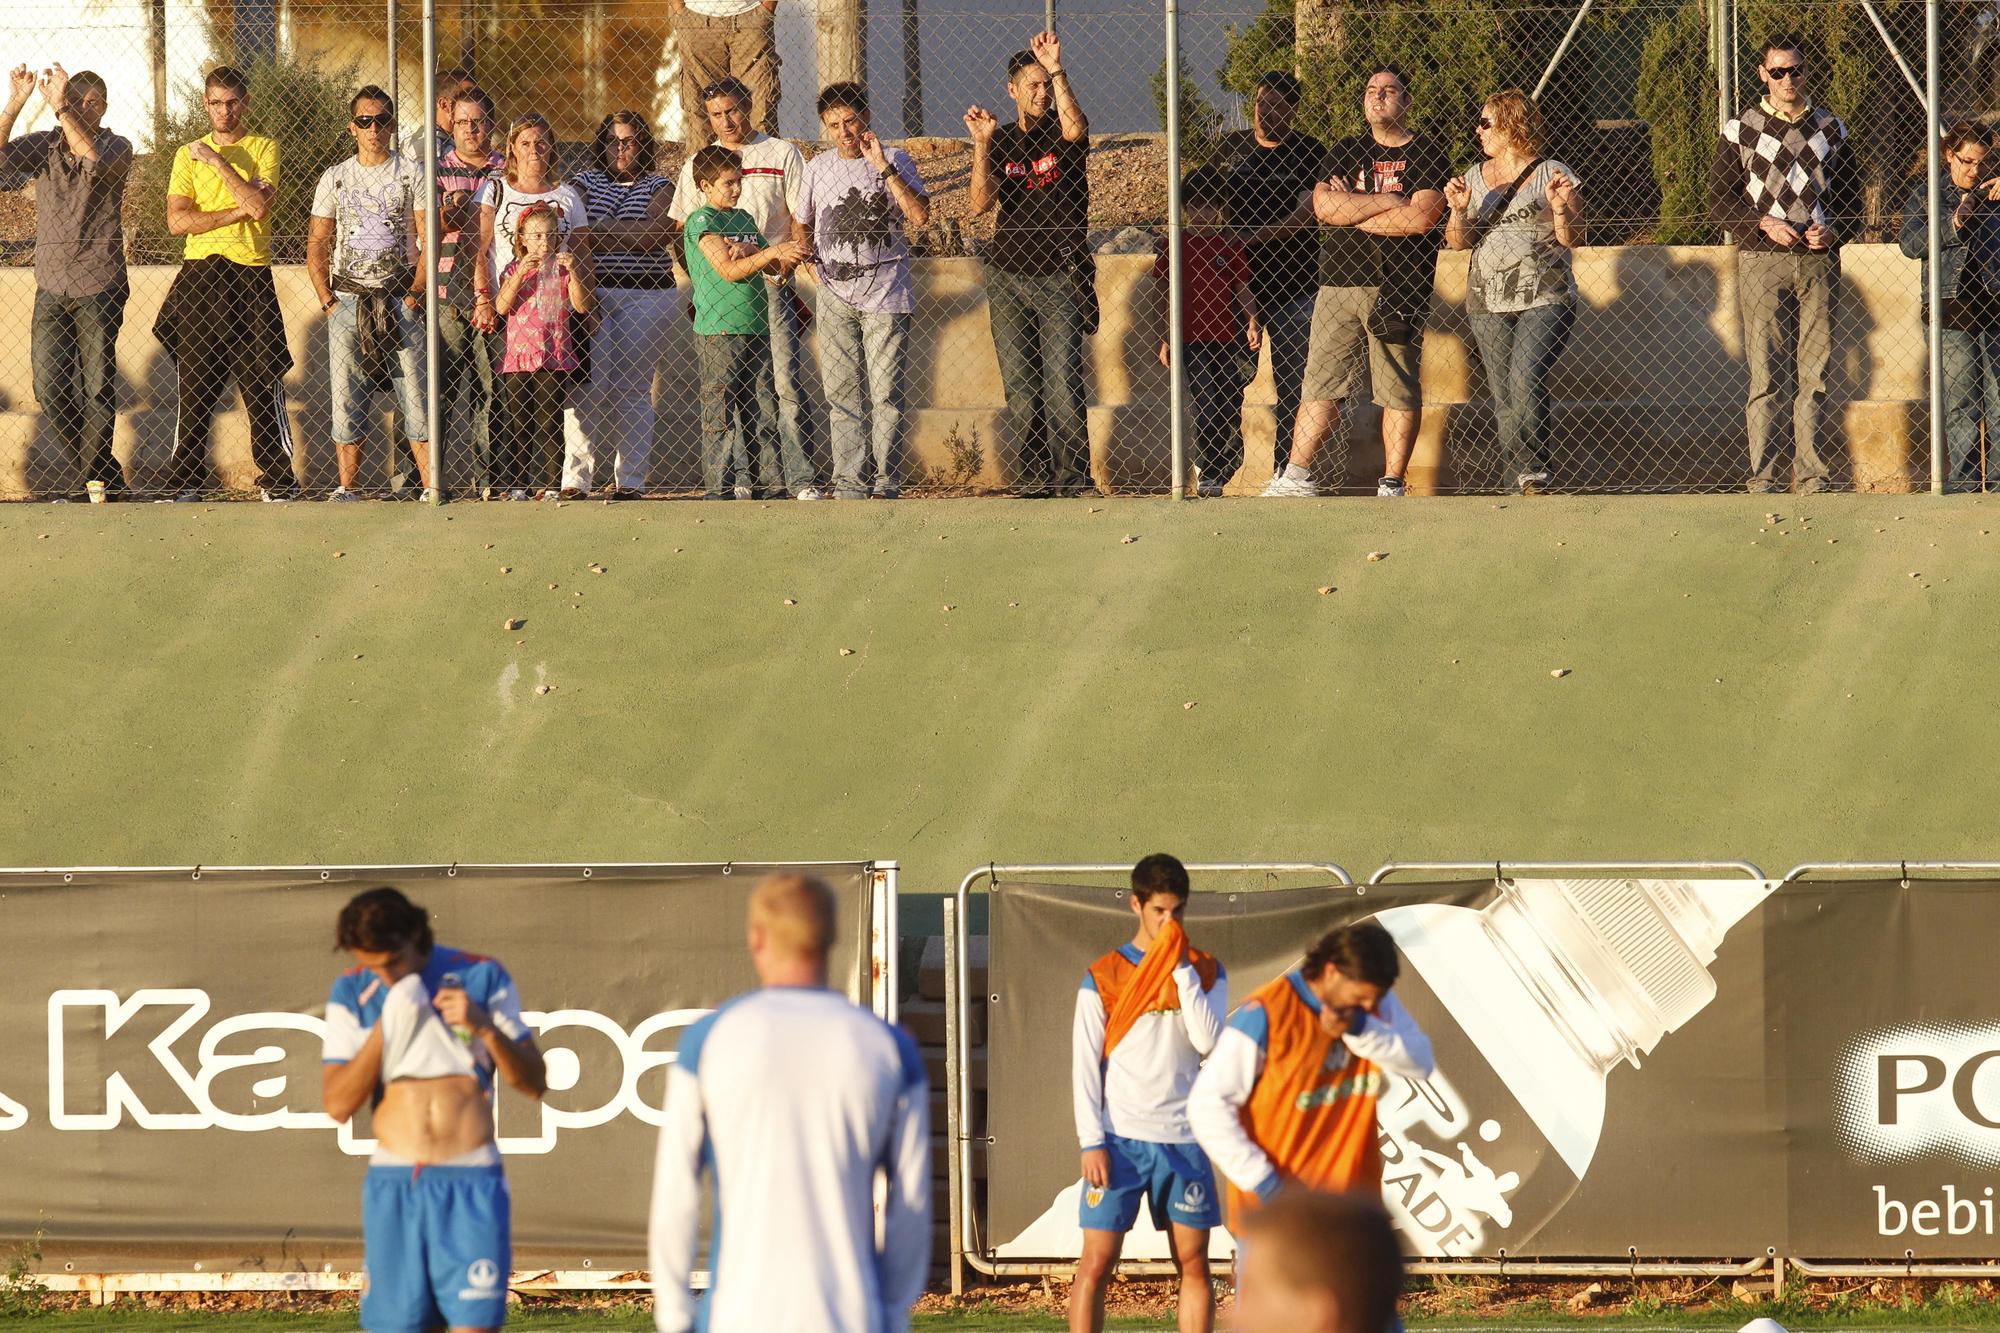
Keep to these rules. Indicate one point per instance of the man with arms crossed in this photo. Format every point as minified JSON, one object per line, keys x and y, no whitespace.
{"x":1146,"y":1014}
{"x":1383,"y":198}
{"x":793,"y":1097}
{"x":1289,"y":1096}
{"x":421,"y":1030}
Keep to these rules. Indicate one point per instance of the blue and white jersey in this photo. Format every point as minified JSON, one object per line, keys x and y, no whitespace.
{"x":793,"y":1098}
{"x":354,"y":1006}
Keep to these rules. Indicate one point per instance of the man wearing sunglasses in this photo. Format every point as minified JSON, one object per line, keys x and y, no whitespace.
{"x":361,"y":254}
{"x":1785,"y":185}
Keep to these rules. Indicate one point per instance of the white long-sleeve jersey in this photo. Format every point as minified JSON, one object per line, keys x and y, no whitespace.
{"x":794,"y":1098}
{"x":1141,"y":1092}
{"x":1389,"y":1039}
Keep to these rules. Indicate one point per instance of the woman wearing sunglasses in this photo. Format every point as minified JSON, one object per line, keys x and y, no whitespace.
{"x":1521,"y":214}
{"x":1969,"y":281}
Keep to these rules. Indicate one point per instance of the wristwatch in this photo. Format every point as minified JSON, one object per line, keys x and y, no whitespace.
{"x":888,"y":170}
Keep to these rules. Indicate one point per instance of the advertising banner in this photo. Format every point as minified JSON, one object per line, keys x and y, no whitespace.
{"x":160,"y":1051}
{"x":1684,"y":1068}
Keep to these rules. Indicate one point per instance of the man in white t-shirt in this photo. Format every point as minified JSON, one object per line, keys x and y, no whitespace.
{"x":725,"y":40}
{"x":361,"y":253}
{"x":793,"y":1101}
{"x":772,"y":170}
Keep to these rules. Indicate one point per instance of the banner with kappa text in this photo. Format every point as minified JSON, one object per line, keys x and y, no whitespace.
{"x":160,"y":1051}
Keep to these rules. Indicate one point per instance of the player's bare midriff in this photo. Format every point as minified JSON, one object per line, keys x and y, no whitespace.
{"x":433,"y":1119}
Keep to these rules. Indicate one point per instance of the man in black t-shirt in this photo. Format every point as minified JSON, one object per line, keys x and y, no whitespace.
{"x":1038,"y":263}
{"x":1378,"y":211}
{"x":1271,"y":198}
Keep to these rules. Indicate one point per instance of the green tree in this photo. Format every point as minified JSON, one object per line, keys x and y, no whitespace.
{"x":1676,"y":100}
{"x":1201,"y":121}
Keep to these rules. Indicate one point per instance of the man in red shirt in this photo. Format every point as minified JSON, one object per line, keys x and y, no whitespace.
{"x":1217,"y":290}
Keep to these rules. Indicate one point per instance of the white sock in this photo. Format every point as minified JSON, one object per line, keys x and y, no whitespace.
{"x":1293,"y":472}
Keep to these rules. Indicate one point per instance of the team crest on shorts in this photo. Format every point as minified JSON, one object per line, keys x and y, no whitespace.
{"x":482,"y":1281}
{"x":1093,"y":1196}
{"x":1193,"y":1197}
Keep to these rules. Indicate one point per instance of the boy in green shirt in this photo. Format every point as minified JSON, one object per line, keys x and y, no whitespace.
{"x":726,"y":257}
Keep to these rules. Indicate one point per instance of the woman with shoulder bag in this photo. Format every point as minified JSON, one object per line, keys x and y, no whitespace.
{"x":1521,"y":215}
{"x":1969,"y":274}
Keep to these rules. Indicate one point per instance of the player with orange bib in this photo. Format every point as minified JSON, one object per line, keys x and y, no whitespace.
{"x":1289,"y":1095}
{"x":1146,"y":1014}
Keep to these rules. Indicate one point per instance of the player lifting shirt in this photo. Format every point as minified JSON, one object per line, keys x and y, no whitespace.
{"x":1146,"y":1014}
{"x":421,"y":1031}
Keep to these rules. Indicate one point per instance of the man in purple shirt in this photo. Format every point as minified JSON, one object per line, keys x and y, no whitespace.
{"x":854,"y":204}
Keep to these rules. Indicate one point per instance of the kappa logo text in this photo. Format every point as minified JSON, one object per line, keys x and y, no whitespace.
{"x":157,"y":1059}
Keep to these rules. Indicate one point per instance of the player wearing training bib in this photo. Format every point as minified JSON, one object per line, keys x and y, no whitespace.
{"x":422,"y":1030}
{"x":1146,"y":1014}
{"x":1289,"y":1095}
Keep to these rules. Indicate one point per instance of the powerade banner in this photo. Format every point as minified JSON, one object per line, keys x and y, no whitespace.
{"x":160,"y":1052}
{"x":1676,"y":1068}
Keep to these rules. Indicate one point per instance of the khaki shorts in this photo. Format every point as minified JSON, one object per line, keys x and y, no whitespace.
{"x":1341,"y":349}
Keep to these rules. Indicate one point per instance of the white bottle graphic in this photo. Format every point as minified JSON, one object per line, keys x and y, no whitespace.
{"x":1530,"y":1003}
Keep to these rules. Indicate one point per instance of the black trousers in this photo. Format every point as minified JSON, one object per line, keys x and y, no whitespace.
{"x":220,"y":322}
{"x":531,"y":429}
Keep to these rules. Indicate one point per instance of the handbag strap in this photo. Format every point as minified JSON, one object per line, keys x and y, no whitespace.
{"x":1507,"y":195}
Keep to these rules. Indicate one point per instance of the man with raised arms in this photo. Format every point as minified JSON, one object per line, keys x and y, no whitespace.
{"x":421,"y":1031}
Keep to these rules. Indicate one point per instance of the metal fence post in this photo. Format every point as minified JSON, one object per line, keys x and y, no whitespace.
{"x":1176,"y":275}
{"x":433,"y":232}
{"x":392,"y":56}
{"x":954,"y":1114}
{"x":1934,"y":243}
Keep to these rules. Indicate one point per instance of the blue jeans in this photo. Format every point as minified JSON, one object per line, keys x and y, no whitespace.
{"x":1288,"y":332}
{"x":74,"y":352}
{"x":1517,"y":351}
{"x":788,"y":381}
{"x":736,"y":395}
{"x":468,"y":364}
{"x":861,"y":359}
{"x":1038,"y":335}
{"x":1971,"y":395}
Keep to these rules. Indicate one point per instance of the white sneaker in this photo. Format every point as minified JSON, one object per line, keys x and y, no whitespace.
{"x":1532,"y":483}
{"x":1209,"y":490}
{"x":343,"y":493}
{"x":276,"y":497}
{"x":745,"y":493}
{"x":810,"y":493}
{"x":1282,"y":487}
{"x":1390,"y":488}
{"x":517,"y":494}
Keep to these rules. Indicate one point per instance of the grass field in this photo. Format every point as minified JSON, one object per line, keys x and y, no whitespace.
{"x":317,"y":683}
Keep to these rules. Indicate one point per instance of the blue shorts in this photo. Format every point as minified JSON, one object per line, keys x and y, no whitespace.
{"x":1173,"y":1178}
{"x":438,"y":1251}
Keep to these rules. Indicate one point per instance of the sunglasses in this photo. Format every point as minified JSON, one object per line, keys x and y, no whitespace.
{"x":385,"y":120}
{"x":1483,"y":123}
{"x":620,"y":142}
{"x":1786,"y":71}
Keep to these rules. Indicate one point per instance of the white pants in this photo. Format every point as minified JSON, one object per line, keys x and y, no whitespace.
{"x":613,"y":414}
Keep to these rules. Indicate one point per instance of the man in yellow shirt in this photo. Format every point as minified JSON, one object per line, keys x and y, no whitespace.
{"x":220,"y":320}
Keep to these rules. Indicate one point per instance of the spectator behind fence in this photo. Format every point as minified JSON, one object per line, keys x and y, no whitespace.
{"x":79,"y":170}
{"x":725,"y":41}
{"x":1221,"y":349}
{"x":450,"y":83}
{"x":726,"y":256}
{"x":631,"y":252}
{"x":529,"y":177}
{"x":1785,"y":184}
{"x":1271,"y":208}
{"x":543,"y":290}
{"x":220,"y":320}
{"x":1521,"y":215}
{"x":470,"y":343}
{"x":1969,"y":283}
{"x":853,"y":207}
{"x":1318,"y":1263}
{"x":362,"y":257}
{"x":1377,"y":266}
{"x":1038,"y":267}
{"x":772,"y":171}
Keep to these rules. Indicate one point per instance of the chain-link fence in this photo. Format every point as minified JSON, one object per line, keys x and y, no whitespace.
{"x":1649,"y":274}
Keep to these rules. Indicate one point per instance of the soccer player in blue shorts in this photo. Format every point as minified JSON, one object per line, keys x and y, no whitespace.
{"x":1146,"y":1014}
{"x":420,"y":1031}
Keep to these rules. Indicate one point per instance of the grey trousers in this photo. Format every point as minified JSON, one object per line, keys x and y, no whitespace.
{"x":1787,"y":302}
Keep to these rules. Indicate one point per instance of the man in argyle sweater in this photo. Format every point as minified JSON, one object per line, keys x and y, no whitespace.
{"x":1785,"y":185}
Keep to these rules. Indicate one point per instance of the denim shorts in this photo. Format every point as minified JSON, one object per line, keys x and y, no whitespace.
{"x":351,"y":394}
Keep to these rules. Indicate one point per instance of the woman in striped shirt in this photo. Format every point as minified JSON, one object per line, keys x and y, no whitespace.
{"x":631,"y":247}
